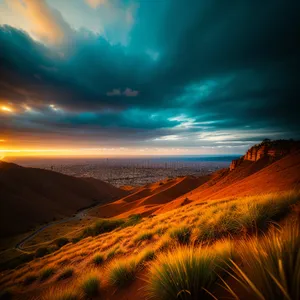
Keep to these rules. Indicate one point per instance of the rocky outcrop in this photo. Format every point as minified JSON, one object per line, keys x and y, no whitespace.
{"x":267,"y":148}
{"x":236,"y":162}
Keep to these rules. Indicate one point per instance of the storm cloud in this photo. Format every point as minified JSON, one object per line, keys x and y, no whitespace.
{"x":210,"y":73}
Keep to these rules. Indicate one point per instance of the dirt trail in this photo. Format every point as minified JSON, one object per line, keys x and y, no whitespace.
{"x":80,"y":215}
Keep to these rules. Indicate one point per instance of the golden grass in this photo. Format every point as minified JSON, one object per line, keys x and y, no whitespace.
{"x":146,"y":235}
{"x":68,"y":293}
{"x":186,"y":272}
{"x":98,"y":259}
{"x":271,"y":265}
{"x":91,"y":285}
{"x":122,"y":272}
{"x":207,"y":223}
{"x":66,"y":273}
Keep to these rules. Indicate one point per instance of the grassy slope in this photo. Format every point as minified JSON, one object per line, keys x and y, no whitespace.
{"x":163,"y":196}
{"x":126,"y":253}
{"x":126,"y":249}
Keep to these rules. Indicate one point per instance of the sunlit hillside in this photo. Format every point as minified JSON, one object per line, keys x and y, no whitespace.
{"x":233,"y":234}
{"x":186,"y":253}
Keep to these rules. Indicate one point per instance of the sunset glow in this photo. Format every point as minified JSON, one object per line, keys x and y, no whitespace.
{"x":105,"y":74}
{"x":101,"y":152}
{"x":6,"y":108}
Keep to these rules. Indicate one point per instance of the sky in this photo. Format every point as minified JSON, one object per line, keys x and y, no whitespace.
{"x":129,"y":77}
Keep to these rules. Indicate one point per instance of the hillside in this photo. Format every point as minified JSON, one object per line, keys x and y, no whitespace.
{"x":266,"y":173}
{"x":157,"y":258}
{"x":29,"y":196}
{"x":173,"y":240}
{"x":150,"y":198}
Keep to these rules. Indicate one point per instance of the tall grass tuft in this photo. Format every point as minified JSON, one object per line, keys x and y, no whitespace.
{"x":91,"y":286}
{"x":66,"y":273}
{"x":271,"y":265}
{"x":122,"y":272}
{"x":98,"y":259}
{"x":40,"y":252}
{"x":143,"y":236}
{"x":132,"y":220}
{"x":181,"y":234}
{"x":46,"y":273}
{"x":102,"y":226}
{"x":267,"y":209}
{"x":61,"y":242}
{"x":185,"y":273}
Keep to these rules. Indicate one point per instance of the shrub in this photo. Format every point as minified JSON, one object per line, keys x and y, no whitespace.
{"x":76,"y":239}
{"x":161,"y":230}
{"x":66,"y":273}
{"x":40,"y":252}
{"x":132,"y":220}
{"x":143,"y":237}
{"x":271,"y":268}
{"x":61,"y":242}
{"x":29,"y":279}
{"x":91,"y":286}
{"x":102,"y":226}
{"x":267,"y":208}
{"x":46,"y":273}
{"x":181,"y":234}
{"x":185,"y":273}
{"x":88,"y":231}
{"x":225,"y":225}
{"x":122,"y":272}
{"x":98,"y":259}
{"x":107,"y":225}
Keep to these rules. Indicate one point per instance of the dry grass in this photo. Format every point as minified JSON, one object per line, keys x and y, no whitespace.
{"x":181,"y":234}
{"x":66,"y":273}
{"x":122,"y":272}
{"x":62,"y":294}
{"x":144,"y":236}
{"x":271,"y":265}
{"x":90,"y":285}
{"x":98,"y":259}
{"x":186,"y":272}
{"x":196,"y":225}
{"x":46,"y":273}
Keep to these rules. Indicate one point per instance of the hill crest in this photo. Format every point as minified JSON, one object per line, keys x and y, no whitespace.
{"x":272,"y":150}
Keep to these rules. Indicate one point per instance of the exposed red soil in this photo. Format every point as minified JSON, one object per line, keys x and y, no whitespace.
{"x":149,"y":198}
{"x":249,"y":178}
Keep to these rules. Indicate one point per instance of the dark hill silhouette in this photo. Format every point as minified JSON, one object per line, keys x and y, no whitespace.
{"x":30,"y":196}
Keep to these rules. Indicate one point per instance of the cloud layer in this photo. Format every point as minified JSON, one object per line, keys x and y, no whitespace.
{"x":211,"y":73}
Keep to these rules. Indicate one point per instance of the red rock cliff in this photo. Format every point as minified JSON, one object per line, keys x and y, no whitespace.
{"x":273,"y":149}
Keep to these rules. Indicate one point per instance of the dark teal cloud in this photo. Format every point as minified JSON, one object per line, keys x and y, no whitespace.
{"x":222,"y":65}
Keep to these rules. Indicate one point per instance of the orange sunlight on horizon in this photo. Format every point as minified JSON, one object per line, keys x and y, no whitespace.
{"x":93,"y":152}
